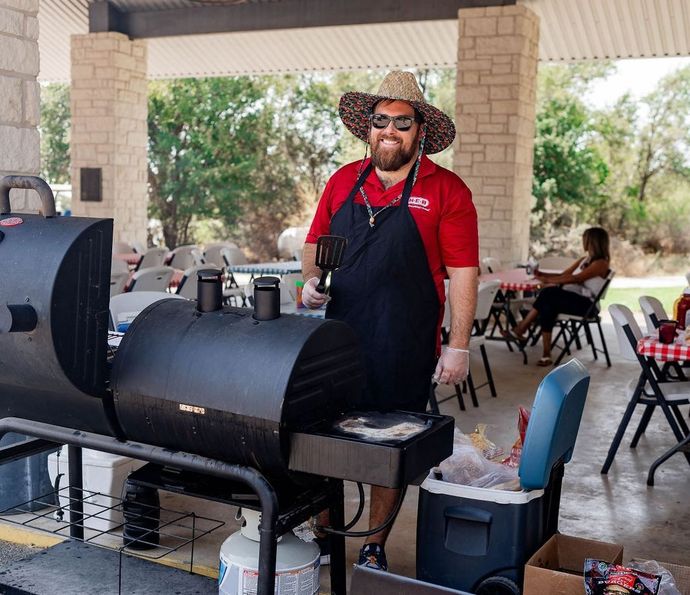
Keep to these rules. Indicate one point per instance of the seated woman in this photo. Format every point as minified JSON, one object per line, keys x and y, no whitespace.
{"x":569,"y":292}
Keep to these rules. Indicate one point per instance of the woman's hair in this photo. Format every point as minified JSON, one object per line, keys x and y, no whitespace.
{"x":596,"y":242}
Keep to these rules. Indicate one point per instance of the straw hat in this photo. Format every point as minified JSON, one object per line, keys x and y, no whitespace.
{"x":355,"y":109}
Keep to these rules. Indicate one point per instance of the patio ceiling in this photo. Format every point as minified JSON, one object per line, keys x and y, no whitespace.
{"x":273,"y":36}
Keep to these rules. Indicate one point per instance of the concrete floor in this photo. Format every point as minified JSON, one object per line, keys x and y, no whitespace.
{"x":651,"y":522}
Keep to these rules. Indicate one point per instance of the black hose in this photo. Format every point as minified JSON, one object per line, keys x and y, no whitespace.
{"x":389,"y":521}
{"x":360,"y":508}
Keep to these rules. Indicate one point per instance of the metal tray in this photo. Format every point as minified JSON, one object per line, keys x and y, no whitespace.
{"x":321,"y":451}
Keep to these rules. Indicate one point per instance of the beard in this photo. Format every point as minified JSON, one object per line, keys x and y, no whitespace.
{"x":392,"y":160}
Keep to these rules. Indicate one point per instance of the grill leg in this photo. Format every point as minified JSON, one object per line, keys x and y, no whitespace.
{"x":268,"y":544}
{"x":76,"y":493}
{"x":337,"y":516}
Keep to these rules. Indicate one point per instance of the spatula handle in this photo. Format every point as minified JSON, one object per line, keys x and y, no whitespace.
{"x":321,"y":287}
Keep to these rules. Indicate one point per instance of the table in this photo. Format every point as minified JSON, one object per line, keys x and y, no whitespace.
{"x":268,"y":268}
{"x":652,"y":349}
{"x":671,"y":352}
{"x":513,"y":280}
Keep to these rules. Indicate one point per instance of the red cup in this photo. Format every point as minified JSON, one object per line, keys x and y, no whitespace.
{"x":667,"y":331}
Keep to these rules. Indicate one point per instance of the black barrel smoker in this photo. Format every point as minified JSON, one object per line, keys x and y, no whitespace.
{"x":225,"y":392}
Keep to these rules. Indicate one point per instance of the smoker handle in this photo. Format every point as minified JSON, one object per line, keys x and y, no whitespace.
{"x":27,"y":183}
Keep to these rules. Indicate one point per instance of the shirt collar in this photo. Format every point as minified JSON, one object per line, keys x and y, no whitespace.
{"x":426,"y":168}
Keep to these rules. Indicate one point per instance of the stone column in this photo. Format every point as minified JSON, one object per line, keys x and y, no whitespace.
{"x":19,"y":96}
{"x":109,"y":132}
{"x":495,"y":111}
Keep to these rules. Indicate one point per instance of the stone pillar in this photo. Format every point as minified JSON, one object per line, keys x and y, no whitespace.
{"x":19,"y":96}
{"x":109,"y":131}
{"x":495,"y":112}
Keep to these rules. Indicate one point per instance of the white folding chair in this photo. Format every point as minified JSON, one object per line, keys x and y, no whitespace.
{"x":119,"y":274}
{"x":231,"y":257}
{"x":151,"y":279}
{"x":485,"y":298}
{"x":181,"y":257}
{"x":212,"y":253}
{"x":648,"y":389}
{"x":124,"y":307}
{"x":198,"y":257}
{"x":653,"y":311}
{"x":153,"y":257}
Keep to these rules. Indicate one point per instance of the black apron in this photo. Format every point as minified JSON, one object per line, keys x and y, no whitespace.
{"x":385,"y":291}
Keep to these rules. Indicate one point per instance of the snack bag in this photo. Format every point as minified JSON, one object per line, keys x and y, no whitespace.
{"x":602,"y":578}
{"x":488,"y":449}
{"x":513,"y":460}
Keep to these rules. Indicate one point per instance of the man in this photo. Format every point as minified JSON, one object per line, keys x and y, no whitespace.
{"x":409,"y":223}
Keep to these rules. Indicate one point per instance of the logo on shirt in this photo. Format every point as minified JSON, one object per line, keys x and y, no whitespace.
{"x":417,"y":202}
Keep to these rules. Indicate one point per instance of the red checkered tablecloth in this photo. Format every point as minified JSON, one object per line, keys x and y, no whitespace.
{"x":513,"y":280}
{"x":671,"y":352}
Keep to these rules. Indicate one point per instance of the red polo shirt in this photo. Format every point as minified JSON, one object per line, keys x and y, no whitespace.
{"x":441,"y":206}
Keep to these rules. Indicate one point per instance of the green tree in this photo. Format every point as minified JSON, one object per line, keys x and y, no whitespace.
{"x":248,"y":152}
{"x":55,"y":133}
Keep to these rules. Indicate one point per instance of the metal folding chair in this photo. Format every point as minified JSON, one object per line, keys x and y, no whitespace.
{"x":570,"y":326}
{"x":649,"y":389}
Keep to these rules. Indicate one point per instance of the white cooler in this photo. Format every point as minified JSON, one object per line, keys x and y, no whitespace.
{"x":103,"y":473}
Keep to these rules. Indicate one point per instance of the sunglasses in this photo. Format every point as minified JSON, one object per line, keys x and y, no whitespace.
{"x":402,"y":123}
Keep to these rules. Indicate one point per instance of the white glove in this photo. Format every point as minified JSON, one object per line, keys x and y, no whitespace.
{"x":453,"y":366}
{"x":312,"y":298}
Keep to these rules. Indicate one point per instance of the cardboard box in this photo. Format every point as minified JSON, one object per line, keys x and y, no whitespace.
{"x":557,"y":567}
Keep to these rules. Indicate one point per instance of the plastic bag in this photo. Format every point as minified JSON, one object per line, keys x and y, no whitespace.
{"x":602,"y":578}
{"x":467,"y":466}
{"x":513,"y":460}
{"x":668,"y":583}
{"x":488,"y":449}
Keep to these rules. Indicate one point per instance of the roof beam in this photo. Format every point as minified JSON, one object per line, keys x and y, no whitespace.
{"x":262,"y":16}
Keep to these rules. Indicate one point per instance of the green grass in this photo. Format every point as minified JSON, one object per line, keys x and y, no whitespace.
{"x":629,"y":296}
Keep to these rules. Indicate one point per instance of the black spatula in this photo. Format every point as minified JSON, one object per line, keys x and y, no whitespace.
{"x":329,"y":257}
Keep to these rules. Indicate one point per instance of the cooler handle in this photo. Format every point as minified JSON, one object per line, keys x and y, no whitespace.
{"x":468,"y":513}
{"x":27,"y":183}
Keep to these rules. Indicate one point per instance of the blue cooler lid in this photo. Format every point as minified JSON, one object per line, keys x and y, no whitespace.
{"x":553,"y":423}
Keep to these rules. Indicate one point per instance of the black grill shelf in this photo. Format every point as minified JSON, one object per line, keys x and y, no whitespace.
{"x":176,"y":529}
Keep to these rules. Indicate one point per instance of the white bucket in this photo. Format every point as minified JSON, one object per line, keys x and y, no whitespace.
{"x":297,"y":562}
{"x":102,"y":473}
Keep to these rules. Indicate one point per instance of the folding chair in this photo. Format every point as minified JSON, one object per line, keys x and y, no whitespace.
{"x":119,"y":275}
{"x":133,"y":303}
{"x":153,"y":257}
{"x":182,"y":258}
{"x":212,"y":253}
{"x":151,"y":279}
{"x":648,"y":389}
{"x":232,"y":256}
{"x":654,"y":311}
{"x":570,"y":326}
{"x":485,"y":298}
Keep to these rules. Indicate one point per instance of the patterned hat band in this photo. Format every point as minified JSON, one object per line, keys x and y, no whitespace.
{"x":355,"y":109}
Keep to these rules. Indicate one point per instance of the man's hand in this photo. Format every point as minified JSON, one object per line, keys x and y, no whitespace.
{"x":312,"y":298}
{"x":453,"y":366}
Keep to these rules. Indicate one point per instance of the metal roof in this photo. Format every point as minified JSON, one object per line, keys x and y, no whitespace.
{"x":580,"y":30}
